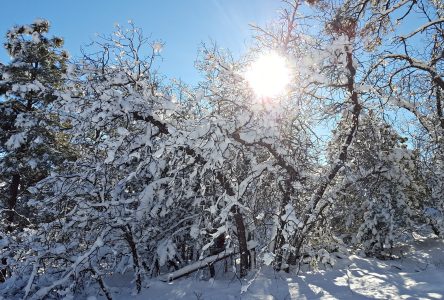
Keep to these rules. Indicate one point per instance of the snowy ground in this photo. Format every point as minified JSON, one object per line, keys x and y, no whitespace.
{"x":418,"y":274}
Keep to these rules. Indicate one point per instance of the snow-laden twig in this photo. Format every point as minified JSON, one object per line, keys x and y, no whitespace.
{"x":31,"y":278}
{"x":422,"y":28}
{"x":393,"y":8}
{"x":414,"y":63}
{"x":41,"y":293}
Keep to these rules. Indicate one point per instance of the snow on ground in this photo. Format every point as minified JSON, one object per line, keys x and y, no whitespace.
{"x":418,"y":274}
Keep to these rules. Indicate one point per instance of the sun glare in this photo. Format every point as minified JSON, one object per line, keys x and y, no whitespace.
{"x":268,"y":75}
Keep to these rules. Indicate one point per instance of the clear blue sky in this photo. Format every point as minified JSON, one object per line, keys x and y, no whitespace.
{"x":181,"y":24}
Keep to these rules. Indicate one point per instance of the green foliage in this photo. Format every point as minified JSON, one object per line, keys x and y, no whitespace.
{"x":31,"y":144}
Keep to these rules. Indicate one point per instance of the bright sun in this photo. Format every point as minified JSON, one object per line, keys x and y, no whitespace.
{"x":268,"y":75}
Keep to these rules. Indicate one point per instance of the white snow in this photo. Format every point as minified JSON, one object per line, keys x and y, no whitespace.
{"x":418,"y":274}
{"x":157,"y":47}
{"x":16,"y":140}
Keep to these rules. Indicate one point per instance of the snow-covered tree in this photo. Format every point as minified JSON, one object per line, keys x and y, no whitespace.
{"x":32,"y":142}
{"x":378,"y":203}
{"x":405,"y":71}
{"x":29,"y":142}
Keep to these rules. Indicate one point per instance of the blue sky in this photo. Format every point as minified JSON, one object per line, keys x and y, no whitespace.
{"x":181,"y":24}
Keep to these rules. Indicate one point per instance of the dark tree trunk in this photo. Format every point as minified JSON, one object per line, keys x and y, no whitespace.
{"x":12,"y":202}
{"x":287,"y":191}
{"x":439,"y":108}
{"x":101,"y":284}
{"x":4,"y":270}
{"x":243,"y":248}
{"x":132,"y":245}
{"x":240,"y":226}
{"x":10,"y":217}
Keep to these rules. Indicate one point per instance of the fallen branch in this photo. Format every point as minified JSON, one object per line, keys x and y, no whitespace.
{"x":200,"y":264}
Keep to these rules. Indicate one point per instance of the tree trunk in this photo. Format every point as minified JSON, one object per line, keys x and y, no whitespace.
{"x":279,"y":239}
{"x":439,"y":108}
{"x":12,"y":202}
{"x":10,"y":216}
{"x":130,"y":239}
{"x":316,"y":207}
{"x":240,"y":226}
{"x":243,"y":248}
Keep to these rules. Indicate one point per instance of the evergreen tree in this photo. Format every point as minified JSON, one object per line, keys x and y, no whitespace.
{"x":29,"y":145}
{"x":378,"y":205}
